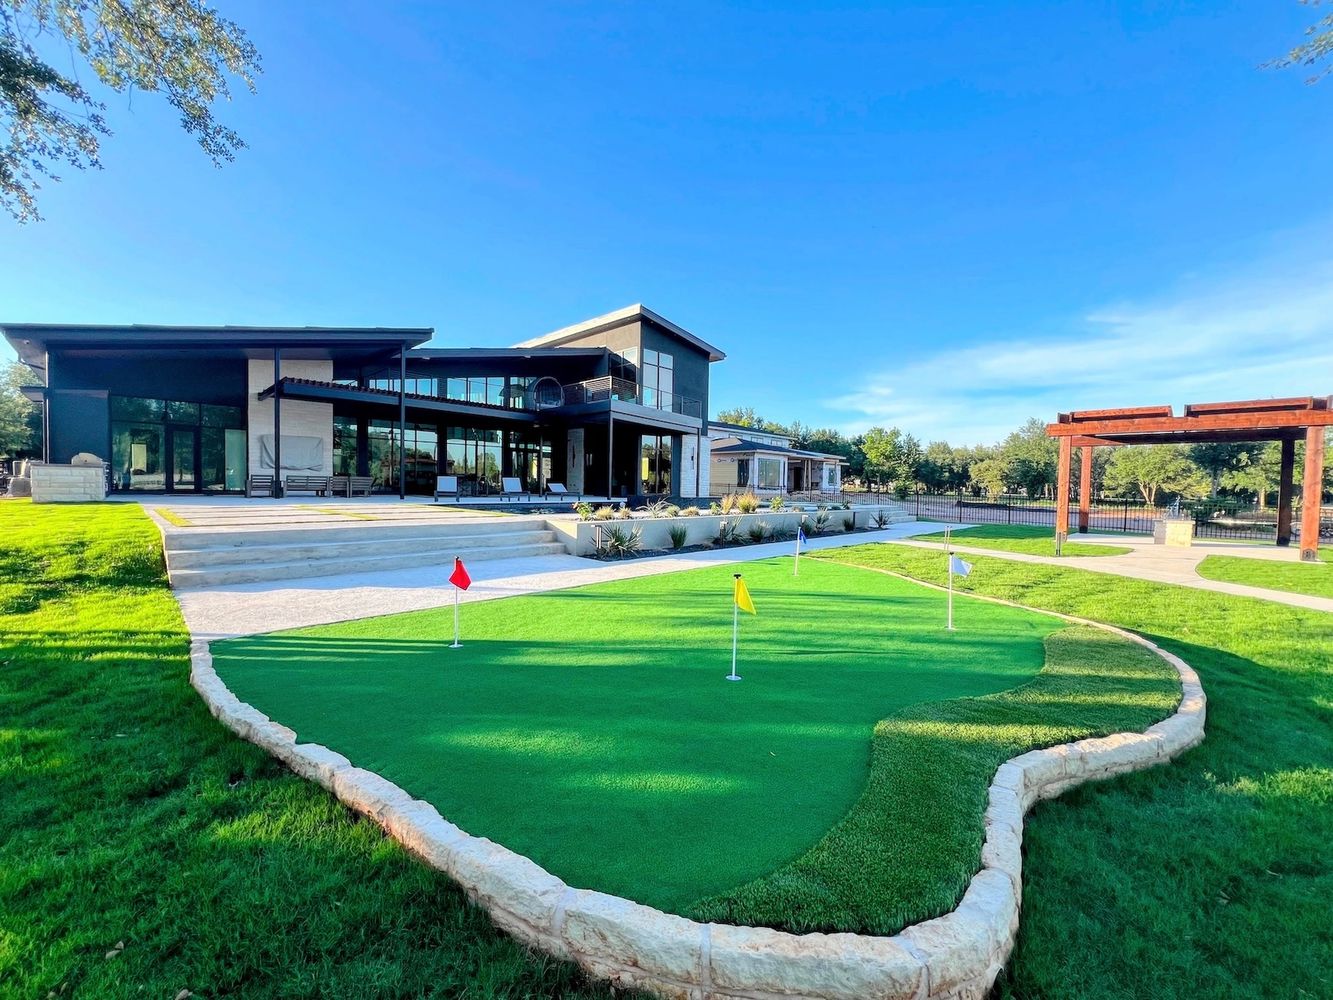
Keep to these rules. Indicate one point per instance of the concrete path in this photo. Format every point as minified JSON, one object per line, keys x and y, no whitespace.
{"x":244,"y":609}
{"x":1161,"y":564}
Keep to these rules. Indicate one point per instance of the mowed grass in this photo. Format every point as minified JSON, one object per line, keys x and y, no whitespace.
{"x":128,"y":815}
{"x":1032,"y":540}
{"x":565,"y":709}
{"x":1207,"y":878}
{"x":1314,"y":578}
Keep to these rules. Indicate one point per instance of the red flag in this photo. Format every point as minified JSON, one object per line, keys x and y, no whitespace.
{"x":459,"y":577}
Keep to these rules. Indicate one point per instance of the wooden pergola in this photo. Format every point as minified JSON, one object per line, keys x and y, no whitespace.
{"x":1282,"y":420}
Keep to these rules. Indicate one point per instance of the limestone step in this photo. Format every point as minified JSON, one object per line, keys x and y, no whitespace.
{"x":258,"y":572}
{"x":311,"y":546}
{"x":337,"y":531}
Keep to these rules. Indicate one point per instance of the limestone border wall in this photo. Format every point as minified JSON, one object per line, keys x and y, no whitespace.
{"x":953,"y":957}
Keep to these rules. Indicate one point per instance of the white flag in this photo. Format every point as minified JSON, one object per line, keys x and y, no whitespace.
{"x":958,"y":566}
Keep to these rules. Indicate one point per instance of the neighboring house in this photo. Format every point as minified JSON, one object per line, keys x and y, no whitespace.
{"x":614,"y":406}
{"x":746,"y":458}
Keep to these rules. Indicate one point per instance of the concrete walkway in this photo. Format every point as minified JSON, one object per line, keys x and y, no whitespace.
{"x":244,"y":609}
{"x":1161,"y":564}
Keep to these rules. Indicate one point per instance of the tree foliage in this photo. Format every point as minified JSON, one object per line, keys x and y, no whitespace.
{"x":1315,"y":51}
{"x":1155,"y":471}
{"x":179,"y":48}
{"x":20,"y":420}
{"x":891,"y":456}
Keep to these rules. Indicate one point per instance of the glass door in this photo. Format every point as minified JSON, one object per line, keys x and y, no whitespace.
{"x":184,"y":476}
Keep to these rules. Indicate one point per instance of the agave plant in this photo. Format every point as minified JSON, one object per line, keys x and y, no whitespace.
{"x":677,"y":534}
{"x":621,"y":542}
{"x":880,"y":520}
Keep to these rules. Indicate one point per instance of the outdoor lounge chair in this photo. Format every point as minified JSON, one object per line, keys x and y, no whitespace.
{"x":510,"y":486}
{"x":446,"y":486}
{"x":259,"y":486}
{"x":559,"y":491}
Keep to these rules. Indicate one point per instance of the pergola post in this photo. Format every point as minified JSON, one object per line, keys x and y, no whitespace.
{"x":1312,"y":493}
{"x":1284,"y":491}
{"x":1062,"y":491}
{"x":402,"y":422}
{"x":1085,"y":488}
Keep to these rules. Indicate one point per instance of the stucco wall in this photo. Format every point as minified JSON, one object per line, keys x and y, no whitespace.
{"x":299,"y":418}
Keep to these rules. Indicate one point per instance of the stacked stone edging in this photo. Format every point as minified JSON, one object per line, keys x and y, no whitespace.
{"x":956,"y":956}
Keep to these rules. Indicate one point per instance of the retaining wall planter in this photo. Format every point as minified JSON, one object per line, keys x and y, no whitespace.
{"x":953,"y":957}
{"x":580,"y":536}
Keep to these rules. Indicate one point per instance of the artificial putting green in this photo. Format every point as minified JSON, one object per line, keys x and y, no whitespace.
{"x":593,"y":731}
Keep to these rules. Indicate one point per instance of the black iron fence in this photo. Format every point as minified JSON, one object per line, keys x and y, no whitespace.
{"x":1213,"y":518}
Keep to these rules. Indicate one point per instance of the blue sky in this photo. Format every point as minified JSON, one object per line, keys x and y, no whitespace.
{"x":946,"y":217}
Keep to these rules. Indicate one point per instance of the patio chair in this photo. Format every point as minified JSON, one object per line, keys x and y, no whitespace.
{"x":360,"y":485}
{"x":511,"y":486}
{"x":559,"y":491}
{"x":259,"y":486}
{"x":446,"y":486}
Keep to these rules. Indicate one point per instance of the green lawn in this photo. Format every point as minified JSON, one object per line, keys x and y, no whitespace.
{"x":1021,"y":538}
{"x":1207,"y":878}
{"x":128,"y":814}
{"x":1299,"y":577}
{"x":566,"y":708}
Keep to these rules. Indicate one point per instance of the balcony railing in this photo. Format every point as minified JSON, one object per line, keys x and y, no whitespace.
{"x":606,"y":388}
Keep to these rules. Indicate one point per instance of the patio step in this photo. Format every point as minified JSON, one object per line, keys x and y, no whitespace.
{"x":217,"y":558}
{"x":306,"y":549}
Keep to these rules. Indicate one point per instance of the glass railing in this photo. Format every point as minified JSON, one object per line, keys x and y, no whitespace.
{"x":607,"y":388}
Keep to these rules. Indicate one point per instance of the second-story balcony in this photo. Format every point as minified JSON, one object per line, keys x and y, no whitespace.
{"x":607,"y":388}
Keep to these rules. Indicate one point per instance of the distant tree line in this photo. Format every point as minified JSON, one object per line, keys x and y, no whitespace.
{"x":1025,"y":463}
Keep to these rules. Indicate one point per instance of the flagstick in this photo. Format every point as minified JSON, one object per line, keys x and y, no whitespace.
{"x":735,"y":628}
{"x":949,"y":626}
{"x":456,"y":644}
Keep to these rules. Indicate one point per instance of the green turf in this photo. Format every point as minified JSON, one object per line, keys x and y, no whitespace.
{"x":129,"y":815}
{"x":609,"y":700}
{"x":1207,"y":878}
{"x":1021,"y":538}
{"x":1314,"y":578}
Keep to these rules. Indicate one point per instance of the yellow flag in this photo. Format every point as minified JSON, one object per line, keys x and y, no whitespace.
{"x":742,"y":597}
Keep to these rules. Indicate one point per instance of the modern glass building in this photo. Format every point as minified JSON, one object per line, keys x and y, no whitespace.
{"x":614,"y":406}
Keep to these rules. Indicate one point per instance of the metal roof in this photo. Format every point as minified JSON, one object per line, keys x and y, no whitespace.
{"x":619,"y":317}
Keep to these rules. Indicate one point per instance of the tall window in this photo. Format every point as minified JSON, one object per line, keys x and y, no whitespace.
{"x":159,"y":444}
{"x":770,"y":473}
{"x":658,"y":379}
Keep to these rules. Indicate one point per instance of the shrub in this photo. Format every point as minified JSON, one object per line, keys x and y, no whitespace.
{"x":727,"y":533}
{"x":848,"y":523}
{"x":880,"y":519}
{"x":747,"y":503}
{"x":815,"y":525}
{"x":777,"y":503}
{"x":604,"y":513}
{"x":714,"y":507}
{"x":621,"y":542}
{"x":623,"y":514}
{"x":690,"y":511}
{"x":728,"y":505}
{"x":758,"y":531}
{"x":671,"y":511}
{"x":677,"y":534}
{"x":584,"y":511}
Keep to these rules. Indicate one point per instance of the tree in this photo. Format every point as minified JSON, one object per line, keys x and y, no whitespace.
{"x":1216,"y":459}
{"x":1316,"y":48}
{"x":179,"y":48}
{"x":1153,"y":470}
{"x":991,"y":475}
{"x":1258,"y":470}
{"x":744,"y":416}
{"x":891,"y":455}
{"x":20,"y":421}
{"x":1029,"y":456}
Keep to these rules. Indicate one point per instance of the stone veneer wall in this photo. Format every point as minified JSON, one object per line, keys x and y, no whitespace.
{"x":67,"y":483}
{"x":300,"y":418}
{"x":953,"y":957}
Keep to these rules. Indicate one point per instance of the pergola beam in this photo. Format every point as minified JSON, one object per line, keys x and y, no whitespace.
{"x":1250,"y":421}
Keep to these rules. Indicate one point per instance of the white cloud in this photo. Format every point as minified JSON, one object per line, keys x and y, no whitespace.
{"x":1266,"y":333}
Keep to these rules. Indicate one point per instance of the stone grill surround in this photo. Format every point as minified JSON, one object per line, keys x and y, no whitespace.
{"x":956,"y":956}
